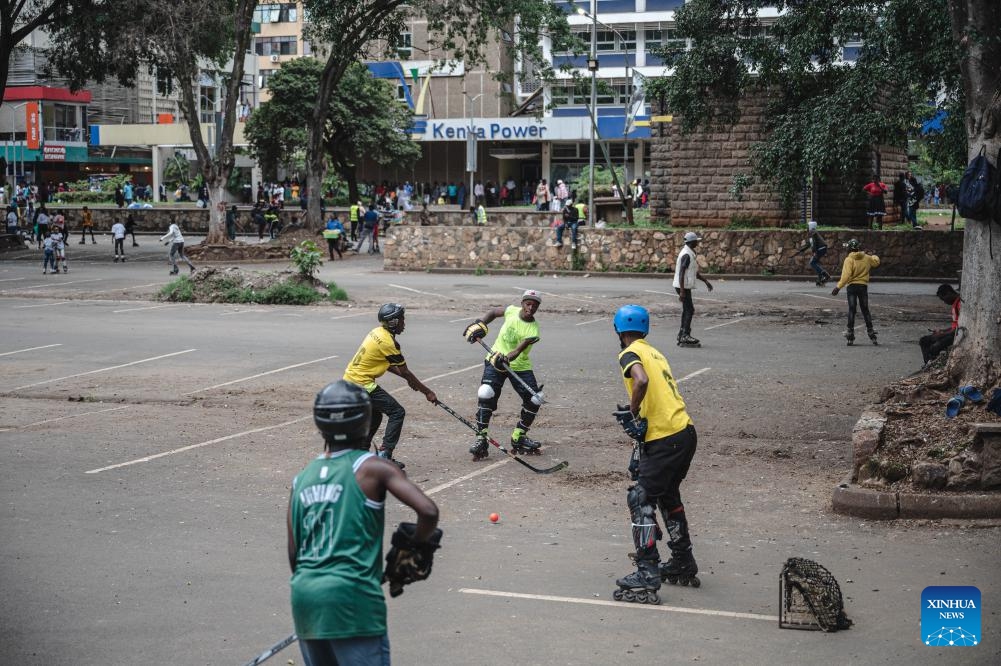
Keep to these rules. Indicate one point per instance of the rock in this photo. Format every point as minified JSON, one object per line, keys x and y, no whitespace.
{"x":866,"y":438}
{"x":990,"y":477}
{"x":964,"y":471}
{"x":929,"y":475}
{"x":892,"y":470}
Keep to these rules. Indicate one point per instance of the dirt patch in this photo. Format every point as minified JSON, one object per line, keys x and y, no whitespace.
{"x":235,"y":285}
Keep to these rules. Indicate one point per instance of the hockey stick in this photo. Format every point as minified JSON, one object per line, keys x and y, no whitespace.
{"x":273,"y":650}
{"x":537,"y":396}
{"x":472,"y":426}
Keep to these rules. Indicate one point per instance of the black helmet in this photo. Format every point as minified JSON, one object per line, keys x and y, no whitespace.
{"x":342,"y":412}
{"x":853,"y":245}
{"x":390,"y":315}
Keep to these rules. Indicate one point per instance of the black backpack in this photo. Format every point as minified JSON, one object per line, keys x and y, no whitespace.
{"x":978,"y":189}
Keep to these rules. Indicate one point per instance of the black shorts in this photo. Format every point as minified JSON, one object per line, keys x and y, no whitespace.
{"x":664,"y":462}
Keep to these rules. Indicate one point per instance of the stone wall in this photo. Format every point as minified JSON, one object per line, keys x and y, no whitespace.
{"x":751,"y":252}
{"x":691,"y":176}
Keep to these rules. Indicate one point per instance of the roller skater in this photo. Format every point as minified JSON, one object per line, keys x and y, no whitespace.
{"x":657,"y":420}
{"x":510,"y":357}
{"x":855,"y":274}
{"x":686,"y":272}
{"x":380,"y":352}
{"x":818,"y":248}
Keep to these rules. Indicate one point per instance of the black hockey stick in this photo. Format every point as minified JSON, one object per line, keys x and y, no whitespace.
{"x":273,"y":650}
{"x":472,"y":426}
{"x":537,"y":396}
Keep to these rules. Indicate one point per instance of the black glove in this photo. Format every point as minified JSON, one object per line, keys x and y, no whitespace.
{"x":498,"y":360}
{"x":635,"y":426}
{"x":409,"y":561}
{"x":475,"y":331}
{"x":634,"y":464}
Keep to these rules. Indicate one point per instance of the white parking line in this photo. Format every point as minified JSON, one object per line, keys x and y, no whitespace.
{"x":236,"y":312}
{"x":675,"y":294}
{"x":39,"y":305}
{"x":197,"y":446}
{"x":261,"y":374}
{"x":619,"y":604}
{"x":694,"y":374}
{"x":726,"y":323}
{"x":418,"y":291}
{"x":61,"y":284}
{"x":60,"y":418}
{"x":831,"y":298}
{"x":12,"y":279}
{"x":451,"y":483}
{"x":114,"y":367}
{"x":30,"y":349}
{"x":149,"y":307}
{"x":456,"y":321}
{"x":549,"y":293}
{"x":348,"y":316}
{"x":454,"y":372}
{"x":590,"y":321}
{"x":137,"y":286}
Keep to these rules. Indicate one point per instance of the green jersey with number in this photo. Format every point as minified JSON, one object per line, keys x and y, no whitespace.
{"x":337,"y":530}
{"x":514,"y":330}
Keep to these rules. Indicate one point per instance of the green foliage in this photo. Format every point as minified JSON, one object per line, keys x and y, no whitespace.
{"x":741,"y":181}
{"x":744,"y":221}
{"x":335,"y":293}
{"x":822,"y":114}
{"x":307,"y":258}
{"x":602,"y":181}
{"x":181,"y":290}
{"x":176,"y":170}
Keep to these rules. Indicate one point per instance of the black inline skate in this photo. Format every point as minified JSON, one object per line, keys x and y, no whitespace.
{"x":850,"y":337}
{"x":872,"y":337}
{"x":687,"y":340}
{"x":639,"y":587}
{"x":680,"y":569}
{"x":480,"y":448}
{"x":522,"y":443}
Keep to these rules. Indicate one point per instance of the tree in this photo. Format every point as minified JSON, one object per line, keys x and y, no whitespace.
{"x":186,"y":38}
{"x":364,"y":120}
{"x":976,"y":355}
{"x":456,"y":29}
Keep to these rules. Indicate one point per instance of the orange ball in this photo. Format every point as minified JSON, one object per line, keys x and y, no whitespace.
{"x":494,"y":517}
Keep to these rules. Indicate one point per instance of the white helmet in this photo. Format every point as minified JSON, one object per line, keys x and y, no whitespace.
{"x":691,"y":237}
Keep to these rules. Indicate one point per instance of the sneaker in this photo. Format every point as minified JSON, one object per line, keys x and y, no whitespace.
{"x":387,"y":454}
{"x":83,"y":243}
{"x":116,"y":259}
{"x":93,"y":242}
{"x":135,"y":244}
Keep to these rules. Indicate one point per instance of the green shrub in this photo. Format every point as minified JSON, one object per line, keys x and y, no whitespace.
{"x":307,"y":258}
{"x":181,"y":290}
{"x":745,"y":221}
{"x":335,"y":293}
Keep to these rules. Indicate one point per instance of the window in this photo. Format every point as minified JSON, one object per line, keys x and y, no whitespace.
{"x":266,"y":46}
{"x":606,"y":41}
{"x":265,"y":74}
{"x":627,"y":41}
{"x":405,"y":45}
{"x":401,"y":92}
{"x":654,"y":40}
{"x":673,"y":39}
{"x":276,"y":13}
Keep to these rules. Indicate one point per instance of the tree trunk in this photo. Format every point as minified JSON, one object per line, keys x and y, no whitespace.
{"x":976,"y":355}
{"x":217,"y":216}
{"x":350,"y":176}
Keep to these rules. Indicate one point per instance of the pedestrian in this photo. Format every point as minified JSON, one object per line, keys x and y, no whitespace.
{"x":562,"y":194}
{"x":855,"y":275}
{"x":818,"y":248}
{"x":686,"y":272}
{"x":574,"y":215}
{"x":59,"y":248}
{"x":175,"y":240}
{"x":49,"y":256}
{"x":86,"y":224}
{"x":355,"y":215}
{"x":657,"y":420}
{"x":368,"y":225}
{"x":333,"y":232}
{"x":127,"y":192}
{"x":12,"y":219}
{"x":915,"y":193}
{"x":510,"y":356}
{"x":876,"y":207}
{"x":42,"y":221}
{"x":380,"y":352}
{"x":479,"y":214}
{"x":335,"y":524}
{"x":542,"y":196}
{"x":938,"y":341}
{"x":231,"y":216}
{"x":119,"y":197}
{"x":118,"y":234}
{"x":130,"y":229}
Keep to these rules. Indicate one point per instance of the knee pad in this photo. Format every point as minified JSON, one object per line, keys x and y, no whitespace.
{"x":486,"y":392}
{"x":644,"y":518}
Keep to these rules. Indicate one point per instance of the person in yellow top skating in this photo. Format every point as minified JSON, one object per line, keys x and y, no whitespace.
{"x":855,"y":274}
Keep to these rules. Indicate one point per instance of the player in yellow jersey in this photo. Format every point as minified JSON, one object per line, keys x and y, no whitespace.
{"x":657,"y":420}
{"x":380,"y":352}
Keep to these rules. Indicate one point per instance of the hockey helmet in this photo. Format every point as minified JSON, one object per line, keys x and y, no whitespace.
{"x":391,"y":317}
{"x":632,"y":319}
{"x":853,"y":245}
{"x":342,"y":412}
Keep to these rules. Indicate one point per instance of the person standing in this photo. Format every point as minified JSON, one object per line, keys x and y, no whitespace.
{"x":542,"y":195}
{"x":657,"y":420}
{"x":686,"y":272}
{"x":119,"y":197}
{"x":49,"y":255}
{"x":368,"y":225}
{"x":479,"y":214}
{"x":855,"y":275}
{"x":915,"y":193}
{"x":335,"y":522}
{"x":511,"y":349}
{"x":175,"y":240}
{"x":333,"y":233}
{"x":355,"y":215}
{"x":42,"y":224}
{"x":562,"y":194}
{"x":380,"y":352}
{"x":118,"y":234}
{"x":59,"y":248}
{"x":231,"y":216}
{"x":128,"y":192}
{"x":876,"y":207}
{"x":130,"y":229}
{"x":818,"y":248}
{"x":86,"y":224}
{"x":938,"y":341}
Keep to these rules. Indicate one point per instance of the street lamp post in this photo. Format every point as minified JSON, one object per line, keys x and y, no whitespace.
{"x":13,"y":147}
{"x":471,"y":144}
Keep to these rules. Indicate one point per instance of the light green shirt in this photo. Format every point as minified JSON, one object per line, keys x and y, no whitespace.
{"x":512,"y":333}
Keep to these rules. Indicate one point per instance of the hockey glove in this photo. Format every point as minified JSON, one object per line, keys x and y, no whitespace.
{"x":634,"y":463}
{"x":498,"y":360}
{"x":635,"y":426}
{"x":409,"y":561}
{"x":475,"y":331}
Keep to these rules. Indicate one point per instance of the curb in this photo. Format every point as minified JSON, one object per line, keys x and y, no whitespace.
{"x":627,"y":274}
{"x":852,"y":500}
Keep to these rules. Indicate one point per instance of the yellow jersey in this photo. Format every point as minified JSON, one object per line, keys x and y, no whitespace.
{"x":378,"y":351}
{"x":662,"y":406}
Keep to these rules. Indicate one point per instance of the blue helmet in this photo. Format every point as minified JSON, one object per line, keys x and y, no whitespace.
{"x":632,"y":319}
